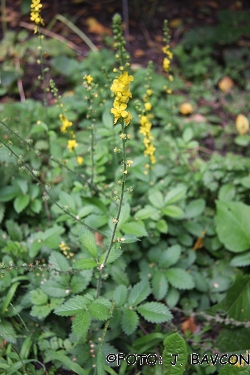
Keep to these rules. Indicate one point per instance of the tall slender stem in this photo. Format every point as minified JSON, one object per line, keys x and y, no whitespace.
{"x":116,"y":219}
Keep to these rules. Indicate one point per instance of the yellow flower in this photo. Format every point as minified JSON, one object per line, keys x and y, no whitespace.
{"x":65,"y":123}
{"x":148,"y":106}
{"x":80,"y":160}
{"x":72,"y":144}
{"x":119,"y":110}
{"x":186,"y":108}
{"x":149,"y":92}
{"x":89,"y":79}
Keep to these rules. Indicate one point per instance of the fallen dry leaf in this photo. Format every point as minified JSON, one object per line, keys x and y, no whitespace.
{"x":96,"y":27}
{"x":225,"y":84}
{"x":186,"y":108}
{"x":138,"y":53}
{"x":189,"y":325}
{"x":198,"y":243}
{"x":242,"y":124}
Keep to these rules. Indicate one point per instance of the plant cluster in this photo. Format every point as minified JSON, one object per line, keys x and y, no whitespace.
{"x":117,"y":222}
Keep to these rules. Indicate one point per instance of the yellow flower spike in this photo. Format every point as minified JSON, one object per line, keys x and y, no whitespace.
{"x":35,"y":9}
{"x":72,"y":144}
{"x":242,"y":124}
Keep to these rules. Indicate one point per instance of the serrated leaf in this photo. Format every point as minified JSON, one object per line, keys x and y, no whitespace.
{"x":80,"y":281}
{"x":179,"y":278}
{"x":175,"y":195}
{"x":54,"y":288}
{"x":137,"y":228}
{"x":242,"y":260}
{"x":175,"y":351}
{"x":129,"y":321}
{"x":58,"y":261}
{"x":233,"y":339}
{"x":85,"y":264}
{"x":155,"y":312}
{"x":98,"y":311}
{"x":139,"y":293}
{"x":120,"y":295}
{"x":21,"y":202}
{"x":233,"y":225}
{"x":72,"y":306}
{"x":113,"y":255}
{"x":170,"y":256}
{"x":7,"y":331}
{"x":36,"y":206}
{"x":159,"y":285}
{"x":173,"y":211}
{"x":14,"y":230}
{"x":87,"y":238}
{"x":40,"y":311}
{"x":130,"y":238}
{"x":81,"y":324}
{"x":38,"y":297}
{"x":124,"y":215}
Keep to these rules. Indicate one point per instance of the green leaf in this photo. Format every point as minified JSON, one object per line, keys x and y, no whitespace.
{"x":120,"y":295}
{"x":155,"y":312}
{"x":159,"y":285}
{"x":137,"y":228}
{"x":173,"y":211}
{"x":170,"y":256}
{"x":38,"y":128}
{"x":139,"y":293}
{"x":162,"y":226}
{"x":130,"y":238}
{"x":72,"y":306}
{"x":7,"y":331}
{"x":36,"y":206}
{"x":98,"y":311}
{"x":14,"y":230}
{"x":58,"y":261}
{"x":179,"y":278}
{"x":242,"y":260}
{"x":156,"y":199}
{"x":54,"y":288}
{"x":146,"y":212}
{"x":129,"y":321}
{"x":175,"y":195}
{"x":85,"y":264}
{"x":22,"y":184}
{"x":21,"y":202}
{"x":87,"y":238}
{"x":173,"y":297}
{"x":174,"y":344}
{"x":233,"y":339}
{"x":114,"y":254}
{"x":234,"y":370}
{"x":38,"y":297}
{"x":7,"y":193}
{"x":233,"y":225}
{"x":124,"y":216}
{"x":100,"y":363}
{"x":226,"y":193}
{"x":195,"y":208}
{"x":40,"y":311}
{"x":187,"y":135}
{"x":52,"y":356}
{"x":237,"y":300}
{"x":81,"y":324}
